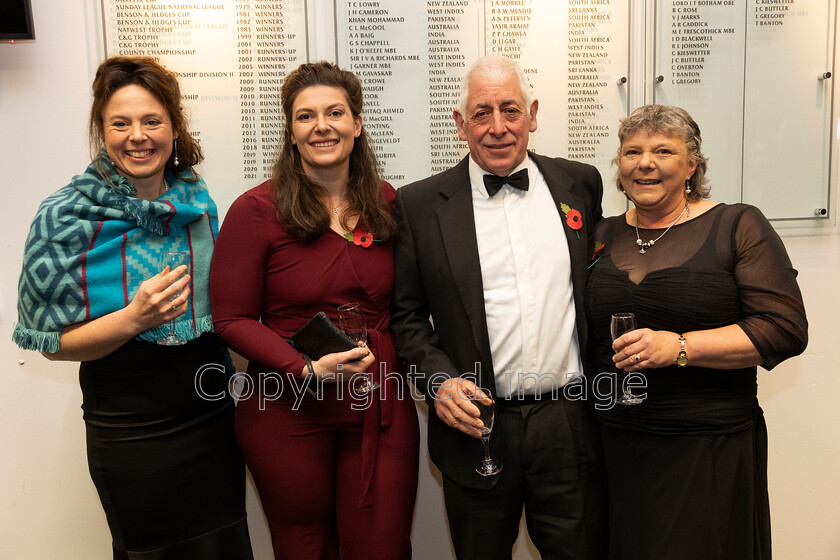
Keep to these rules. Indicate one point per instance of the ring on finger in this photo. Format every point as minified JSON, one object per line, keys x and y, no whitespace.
{"x":174,"y":307}
{"x":638,"y":357}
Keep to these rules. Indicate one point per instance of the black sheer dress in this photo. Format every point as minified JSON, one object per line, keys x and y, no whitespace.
{"x":687,"y":468}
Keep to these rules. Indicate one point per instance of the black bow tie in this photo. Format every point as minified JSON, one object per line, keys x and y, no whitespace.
{"x":494,"y":183}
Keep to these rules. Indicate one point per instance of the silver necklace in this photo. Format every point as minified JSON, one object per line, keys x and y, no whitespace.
{"x":645,"y":245}
{"x":337,"y":207}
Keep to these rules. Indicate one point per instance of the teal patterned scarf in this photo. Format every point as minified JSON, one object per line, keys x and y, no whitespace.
{"x":92,"y":244}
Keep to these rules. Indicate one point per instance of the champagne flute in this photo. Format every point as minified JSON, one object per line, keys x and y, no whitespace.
{"x":487,"y":414}
{"x":172,"y":259}
{"x":352,"y":323}
{"x":621,"y":323}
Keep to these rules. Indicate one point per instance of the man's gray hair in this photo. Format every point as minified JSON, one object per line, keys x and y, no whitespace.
{"x":498,"y":69}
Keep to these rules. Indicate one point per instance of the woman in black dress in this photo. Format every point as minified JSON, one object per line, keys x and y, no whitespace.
{"x":714,"y":295}
{"x":161,"y":448}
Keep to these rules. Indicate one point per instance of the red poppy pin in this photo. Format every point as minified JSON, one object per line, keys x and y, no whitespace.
{"x":361,"y":237}
{"x":573,"y":218}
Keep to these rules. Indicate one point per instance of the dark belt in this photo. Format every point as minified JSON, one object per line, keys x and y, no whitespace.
{"x":522,"y":400}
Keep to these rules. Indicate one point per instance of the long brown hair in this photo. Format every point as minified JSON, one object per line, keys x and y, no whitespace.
{"x":120,"y":71}
{"x":298,"y":197}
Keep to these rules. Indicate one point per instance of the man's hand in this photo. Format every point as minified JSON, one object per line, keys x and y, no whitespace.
{"x":454,"y":404}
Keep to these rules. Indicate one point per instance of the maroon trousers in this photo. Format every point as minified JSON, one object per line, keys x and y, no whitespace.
{"x":308,"y":468}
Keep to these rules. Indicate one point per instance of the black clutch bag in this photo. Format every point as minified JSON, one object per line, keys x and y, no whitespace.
{"x":319,"y":336}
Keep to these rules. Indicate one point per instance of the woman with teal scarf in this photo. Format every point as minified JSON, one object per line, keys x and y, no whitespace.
{"x":159,"y":420}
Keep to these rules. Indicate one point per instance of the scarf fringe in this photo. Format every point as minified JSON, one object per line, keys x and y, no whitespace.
{"x":48,"y":342}
{"x":39,"y":341}
{"x":183,"y":329}
{"x":144,"y":219}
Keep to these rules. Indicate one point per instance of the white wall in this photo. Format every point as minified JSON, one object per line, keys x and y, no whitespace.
{"x":48,"y":505}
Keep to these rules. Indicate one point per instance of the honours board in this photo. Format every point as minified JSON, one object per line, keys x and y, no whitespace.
{"x":232,"y":57}
{"x":755,"y":75}
{"x":751,"y":72}
{"x":412,"y":55}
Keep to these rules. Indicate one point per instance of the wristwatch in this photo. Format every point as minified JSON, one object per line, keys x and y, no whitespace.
{"x":682,"y":359}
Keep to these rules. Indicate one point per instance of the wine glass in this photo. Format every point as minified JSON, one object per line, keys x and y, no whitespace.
{"x":172,"y":259}
{"x":621,"y":323}
{"x":352,"y":323}
{"x":487,"y":414}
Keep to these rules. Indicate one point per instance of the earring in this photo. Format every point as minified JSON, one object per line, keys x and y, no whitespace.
{"x":687,"y":198}
{"x":175,"y":161}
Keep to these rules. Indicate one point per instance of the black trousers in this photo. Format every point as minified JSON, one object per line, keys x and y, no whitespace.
{"x":553,"y":467}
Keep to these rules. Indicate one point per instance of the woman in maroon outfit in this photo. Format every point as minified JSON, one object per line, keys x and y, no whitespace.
{"x":337,"y":474}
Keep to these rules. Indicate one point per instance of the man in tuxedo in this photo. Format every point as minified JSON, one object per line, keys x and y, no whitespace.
{"x":491,"y":265}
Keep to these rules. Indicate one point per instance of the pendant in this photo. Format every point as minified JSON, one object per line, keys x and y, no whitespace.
{"x":642,"y":251}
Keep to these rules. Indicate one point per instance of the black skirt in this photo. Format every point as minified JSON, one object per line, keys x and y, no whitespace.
{"x":162,"y":452}
{"x":688,"y":497}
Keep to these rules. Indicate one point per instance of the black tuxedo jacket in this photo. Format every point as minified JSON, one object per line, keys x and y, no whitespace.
{"x":438,"y":314}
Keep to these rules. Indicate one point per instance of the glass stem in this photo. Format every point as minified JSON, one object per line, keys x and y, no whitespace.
{"x":625,"y":387}
{"x":485,"y":441}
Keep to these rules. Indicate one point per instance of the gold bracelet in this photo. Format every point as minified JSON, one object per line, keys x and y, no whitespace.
{"x":682,"y":359}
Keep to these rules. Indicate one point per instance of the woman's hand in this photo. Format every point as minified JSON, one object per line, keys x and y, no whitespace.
{"x":645,"y":349}
{"x":156,"y":303}
{"x":339,"y":367}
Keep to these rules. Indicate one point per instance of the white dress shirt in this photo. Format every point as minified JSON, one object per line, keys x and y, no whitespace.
{"x":526,"y":273}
